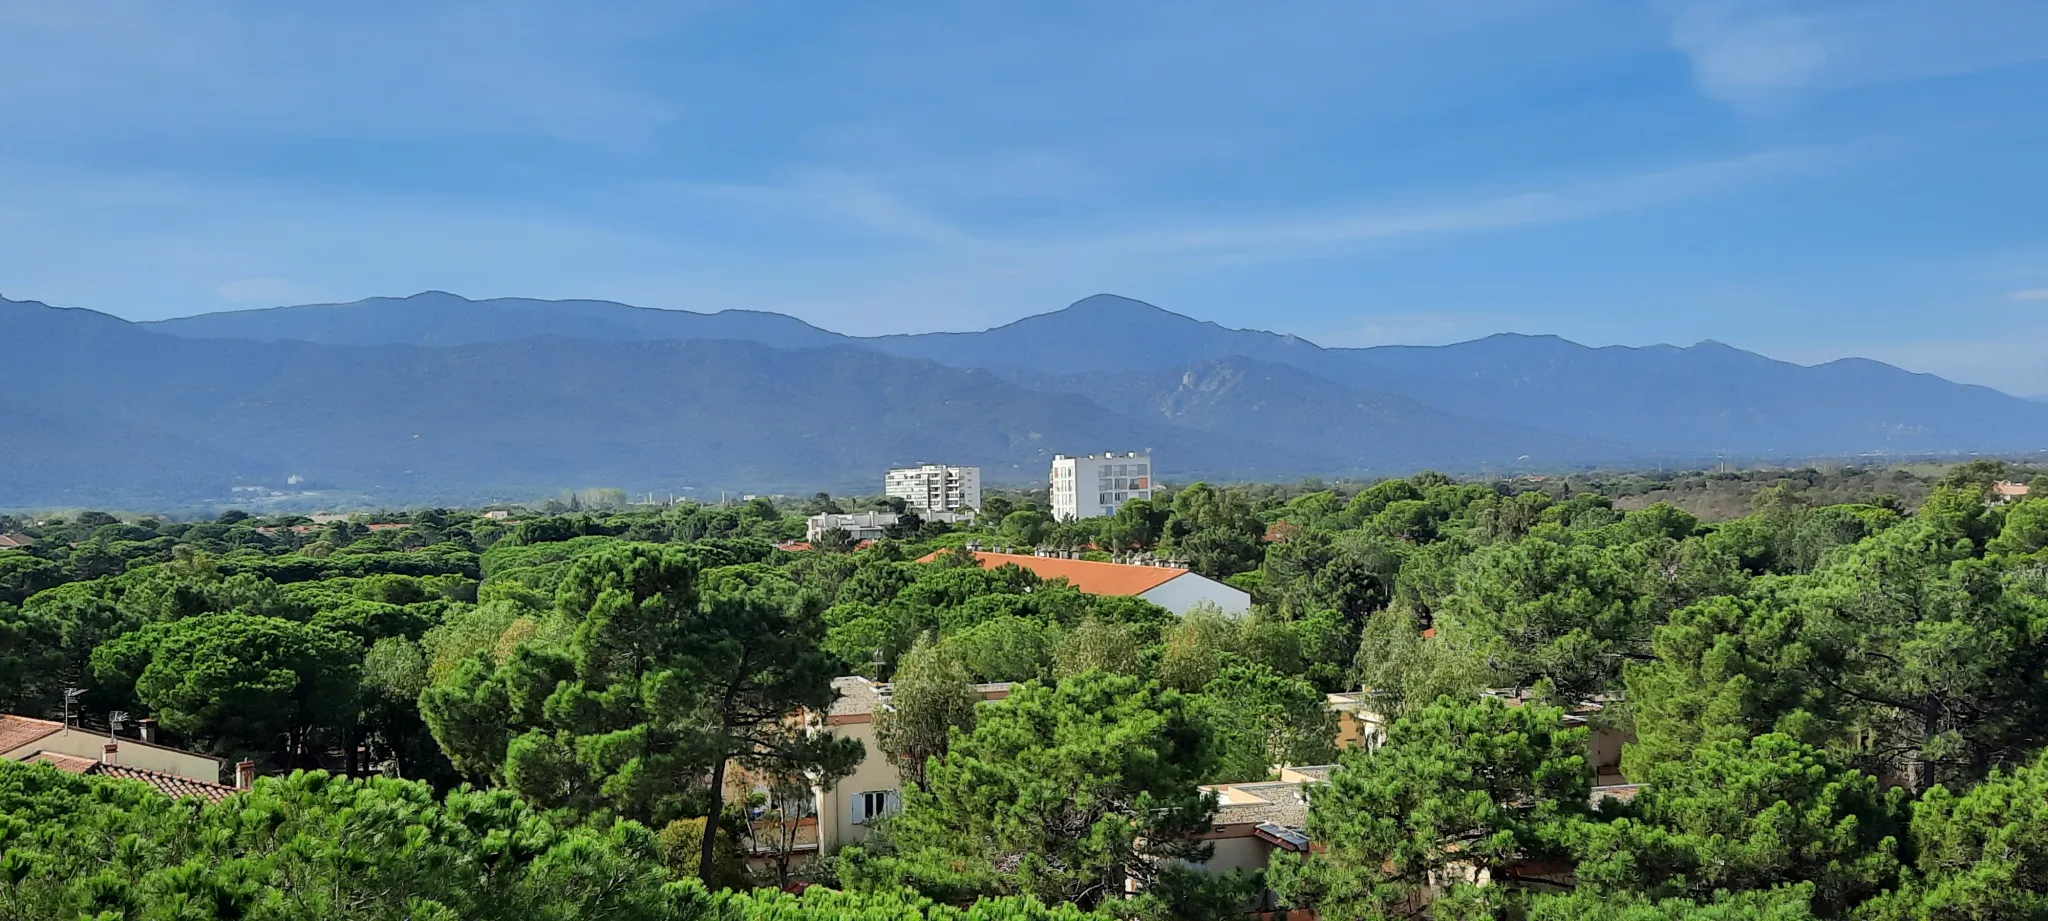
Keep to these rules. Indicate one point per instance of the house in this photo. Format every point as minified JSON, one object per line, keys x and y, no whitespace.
{"x":21,"y":541}
{"x":1169,"y":586}
{"x":171,"y":785}
{"x":868,"y":525}
{"x":1361,"y":724}
{"x":2005,"y":491}
{"x":1254,"y":821}
{"x":874,"y":789}
{"x":23,"y":737}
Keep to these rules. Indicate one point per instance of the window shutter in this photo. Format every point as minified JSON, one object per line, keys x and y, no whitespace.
{"x":895,"y":802}
{"x":857,"y":801}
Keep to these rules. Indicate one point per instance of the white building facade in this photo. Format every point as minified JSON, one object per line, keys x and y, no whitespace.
{"x":1097,"y":484}
{"x":935,"y":487}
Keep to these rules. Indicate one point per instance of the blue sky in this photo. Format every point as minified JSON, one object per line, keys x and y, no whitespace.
{"x":1809,"y":180}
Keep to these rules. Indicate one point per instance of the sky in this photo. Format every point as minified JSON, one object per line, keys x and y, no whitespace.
{"x":1810,"y":180}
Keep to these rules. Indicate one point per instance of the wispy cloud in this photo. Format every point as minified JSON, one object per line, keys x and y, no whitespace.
{"x":2029,"y":294}
{"x":1266,"y":237}
{"x":1757,"y":53}
{"x":850,"y":200}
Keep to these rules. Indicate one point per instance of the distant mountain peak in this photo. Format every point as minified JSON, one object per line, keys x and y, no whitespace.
{"x":1115,"y":307}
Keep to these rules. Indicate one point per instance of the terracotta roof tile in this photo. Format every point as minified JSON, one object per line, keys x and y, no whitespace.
{"x":69,"y":764}
{"x":170,"y":785}
{"x":17,"y":731}
{"x":1086,"y":575}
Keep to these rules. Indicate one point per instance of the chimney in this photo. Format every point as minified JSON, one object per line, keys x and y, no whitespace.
{"x":245,"y":775}
{"x":146,"y":729}
{"x":107,"y":752}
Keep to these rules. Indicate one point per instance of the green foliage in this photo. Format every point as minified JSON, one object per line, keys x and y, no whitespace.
{"x":1540,"y":609}
{"x":1216,"y":531}
{"x":1060,"y":792}
{"x":1724,"y":669}
{"x":1461,"y":787}
{"x":1980,"y":854}
{"x":1262,"y":720}
{"x":662,"y":676}
{"x":1748,"y":816}
{"x":1782,"y":904}
{"x":821,"y":904}
{"x":235,"y":682}
{"x":1100,"y":646}
{"x":316,"y":846}
{"x":1004,"y":649}
{"x":930,"y":698}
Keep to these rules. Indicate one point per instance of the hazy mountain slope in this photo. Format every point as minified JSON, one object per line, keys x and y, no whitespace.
{"x":1108,"y":333}
{"x":1609,"y":405}
{"x":1281,"y":404}
{"x":1710,"y":398}
{"x":414,"y":424}
{"x":73,"y":457}
{"x":435,"y":318}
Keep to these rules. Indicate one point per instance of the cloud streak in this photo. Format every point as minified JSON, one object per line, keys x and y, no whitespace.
{"x":1761,"y":53}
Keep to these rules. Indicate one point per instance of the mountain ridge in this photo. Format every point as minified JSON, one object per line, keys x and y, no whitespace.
{"x":1103,"y":372}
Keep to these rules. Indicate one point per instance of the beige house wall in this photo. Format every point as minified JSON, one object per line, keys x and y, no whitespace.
{"x":130,"y":752}
{"x":836,"y":827}
{"x":1238,"y":849}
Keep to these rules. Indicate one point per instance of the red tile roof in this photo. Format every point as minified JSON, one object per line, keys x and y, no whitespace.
{"x":1087,"y":575}
{"x":17,"y":731}
{"x":170,"y":785}
{"x":69,"y":764}
{"x":15,"y":540}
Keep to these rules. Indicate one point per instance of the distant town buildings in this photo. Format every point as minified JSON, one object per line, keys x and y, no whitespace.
{"x":869,"y":525}
{"x":1097,"y":484}
{"x":935,"y":488}
{"x":859,"y":525}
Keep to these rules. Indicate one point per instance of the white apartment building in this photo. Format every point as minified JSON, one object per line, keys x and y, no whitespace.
{"x":1095,"y":485}
{"x":935,"y":487}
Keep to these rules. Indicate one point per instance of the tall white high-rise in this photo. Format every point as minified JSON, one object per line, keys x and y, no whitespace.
{"x":1095,"y":485}
{"x":932,"y":488}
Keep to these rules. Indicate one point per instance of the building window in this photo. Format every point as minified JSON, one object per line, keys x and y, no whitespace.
{"x":873,"y":805}
{"x":1102,"y":499}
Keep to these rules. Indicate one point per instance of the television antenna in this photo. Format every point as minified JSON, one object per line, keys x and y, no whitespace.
{"x":114,"y":722}
{"x":70,"y":694}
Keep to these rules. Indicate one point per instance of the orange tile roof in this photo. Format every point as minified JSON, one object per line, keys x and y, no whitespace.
{"x":17,"y":731}
{"x":69,"y":764}
{"x":170,"y":785}
{"x":1087,"y":575}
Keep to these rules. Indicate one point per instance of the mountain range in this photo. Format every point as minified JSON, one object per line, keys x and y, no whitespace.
{"x":438,"y":398}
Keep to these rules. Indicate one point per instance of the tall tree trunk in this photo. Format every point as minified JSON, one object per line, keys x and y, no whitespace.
{"x":709,"y":856}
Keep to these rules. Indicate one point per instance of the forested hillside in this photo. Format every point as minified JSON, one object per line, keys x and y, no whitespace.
{"x":1832,"y":711}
